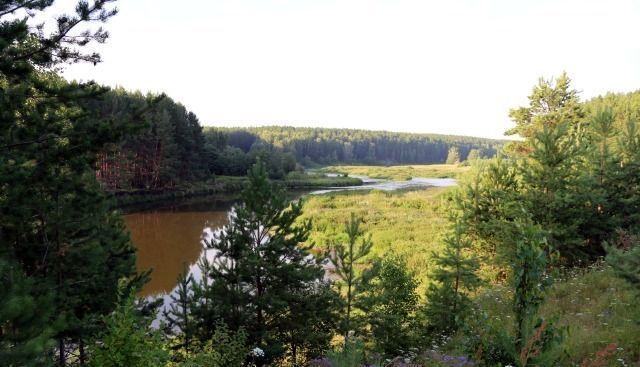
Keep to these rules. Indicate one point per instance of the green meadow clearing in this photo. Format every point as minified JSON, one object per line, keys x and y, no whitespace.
{"x":401,"y":173}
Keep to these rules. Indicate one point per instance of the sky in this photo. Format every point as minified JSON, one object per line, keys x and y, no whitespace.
{"x":451,"y":67}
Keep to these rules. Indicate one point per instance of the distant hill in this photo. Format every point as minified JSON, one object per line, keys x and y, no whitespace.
{"x":328,"y":146}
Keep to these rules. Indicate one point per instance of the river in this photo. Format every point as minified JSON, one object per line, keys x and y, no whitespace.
{"x":170,"y":238}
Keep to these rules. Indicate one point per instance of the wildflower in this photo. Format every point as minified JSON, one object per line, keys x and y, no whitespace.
{"x":256,"y":352}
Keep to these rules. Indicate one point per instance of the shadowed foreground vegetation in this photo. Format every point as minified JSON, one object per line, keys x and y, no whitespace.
{"x":597,"y":309}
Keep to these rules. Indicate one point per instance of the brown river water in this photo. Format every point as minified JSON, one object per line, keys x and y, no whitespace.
{"x":170,"y":238}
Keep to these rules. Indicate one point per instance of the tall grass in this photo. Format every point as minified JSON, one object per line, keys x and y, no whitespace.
{"x":407,"y":223}
{"x":402,"y":173}
{"x":598,"y":309}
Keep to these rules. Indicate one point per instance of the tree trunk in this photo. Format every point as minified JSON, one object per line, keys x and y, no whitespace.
{"x":61,"y":356}
{"x":83,"y":357}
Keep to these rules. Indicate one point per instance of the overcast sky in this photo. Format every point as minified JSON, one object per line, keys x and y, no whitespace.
{"x":453,"y":67}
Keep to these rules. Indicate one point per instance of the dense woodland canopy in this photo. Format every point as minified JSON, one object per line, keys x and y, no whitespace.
{"x":170,"y":147}
{"x":329,"y":146}
{"x":166,"y":150}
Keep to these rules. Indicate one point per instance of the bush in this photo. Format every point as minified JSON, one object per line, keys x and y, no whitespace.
{"x":352,"y":355}
{"x":128,"y":340}
{"x":225,"y":349}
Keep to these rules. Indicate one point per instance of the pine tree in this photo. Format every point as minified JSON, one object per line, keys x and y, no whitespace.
{"x":487,"y":201}
{"x":603,"y":161}
{"x":179,"y":317}
{"x":474,"y":155}
{"x":537,"y":340}
{"x":559,"y":194}
{"x":455,"y":277}
{"x":352,"y":266}
{"x":624,"y":184}
{"x":453,"y":156}
{"x":390,"y":306}
{"x":57,"y":225}
{"x":26,"y":335}
{"x":261,"y":266}
{"x":624,"y":258}
{"x":551,"y":102}
{"x":311,"y":322}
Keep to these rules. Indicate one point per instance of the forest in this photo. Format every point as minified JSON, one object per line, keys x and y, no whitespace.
{"x":533,"y":259}
{"x":167,"y":147}
{"x":313,"y":146}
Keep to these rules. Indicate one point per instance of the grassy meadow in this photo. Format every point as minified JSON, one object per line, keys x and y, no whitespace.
{"x":402,"y":173}
{"x":405,"y":223}
{"x":593,"y":305}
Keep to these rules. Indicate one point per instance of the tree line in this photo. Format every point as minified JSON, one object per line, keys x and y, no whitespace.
{"x":313,"y":146}
{"x":168,"y":147}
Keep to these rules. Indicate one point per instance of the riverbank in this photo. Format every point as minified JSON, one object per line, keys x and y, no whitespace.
{"x":230,"y":185}
{"x":400,"y":173}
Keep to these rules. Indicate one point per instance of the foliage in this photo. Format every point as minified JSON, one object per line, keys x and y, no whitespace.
{"x":352,"y":267}
{"x":564,"y":176}
{"x":592,"y":304}
{"x":401,"y":173}
{"x":624,"y":258}
{"x":453,"y":156}
{"x":455,"y":278}
{"x":260,"y":271}
{"x":312,"y":146}
{"x":128,"y":340}
{"x":474,"y":155}
{"x":352,"y":354}
{"x":26,"y":332}
{"x":167,"y":149}
{"x":390,"y":306}
{"x":488,"y":341}
{"x":551,"y":102}
{"x":179,"y":319}
{"x":535,"y":340}
{"x":225,"y":349}
{"x":234,"y":154}
{"x":311,"y":324}
{"x":57,"y":226}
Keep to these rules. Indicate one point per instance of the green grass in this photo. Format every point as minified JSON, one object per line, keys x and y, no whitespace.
{"x":401,"y":173}
{"x":305,"y":180}
{"x":597,"y":307}
{"x":408,"y":223}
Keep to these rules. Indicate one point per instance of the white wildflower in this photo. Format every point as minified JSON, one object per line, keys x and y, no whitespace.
{"x":256,"y":352}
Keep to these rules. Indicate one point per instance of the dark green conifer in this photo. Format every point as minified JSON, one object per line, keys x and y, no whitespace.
{"x":390,"y":306}
{"x":57,"y":224}
{"x":262,"y":267}
{"x":454,"y":278}
{"x":351,"y":264}
{"x":179,"y":317}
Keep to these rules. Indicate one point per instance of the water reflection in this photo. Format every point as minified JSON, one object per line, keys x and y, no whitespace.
{"x":170,"y":238}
